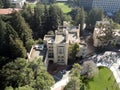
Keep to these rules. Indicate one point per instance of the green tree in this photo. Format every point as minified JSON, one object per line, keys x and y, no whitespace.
{"x":38,"y":20}
{"x":1,"y":4}
{"x":26,"y":87}
{"x":21,"y":27}
{"x":28,"y":15}
{"x":75,"y":83}
{"x":80,"y":18}
{"x":16,"y":48}
{"x":117,"y":16}
{"x":76,"y":70}
{"x":23,"y":75}
{"x":16,"y":73}
{"x":46,"y":21}
{"x":29,"y":44}
{"x":72,"y":51}
{"x":55,"y":17}
{"x":9,"y":88}
{"x":94,"y":15}
{"x":6,"y":3}
{"x":43,"y":80}
{"x":10,"y":46}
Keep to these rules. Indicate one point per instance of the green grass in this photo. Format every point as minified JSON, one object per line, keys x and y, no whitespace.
{"x":103,"y":80}
{"x":65,"y":8}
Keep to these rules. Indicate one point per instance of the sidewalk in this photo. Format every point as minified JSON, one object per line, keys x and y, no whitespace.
{"x":116,"y":72}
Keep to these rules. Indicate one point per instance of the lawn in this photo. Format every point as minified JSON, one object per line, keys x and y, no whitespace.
{"x":103,"y":81}
{"x":65,"y":8}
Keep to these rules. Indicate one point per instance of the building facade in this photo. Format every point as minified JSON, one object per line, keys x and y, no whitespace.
{"x":109,"y":6}
{"x":87,"y":4}
{"x":57,"y":45}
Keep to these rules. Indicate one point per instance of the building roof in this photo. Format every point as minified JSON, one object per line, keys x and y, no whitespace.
{"x":49,"y":38}
{"x":60,"y":38}
{"x":8,"y":11}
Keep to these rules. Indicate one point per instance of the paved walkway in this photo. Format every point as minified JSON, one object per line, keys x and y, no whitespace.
{"x":62,"y":83}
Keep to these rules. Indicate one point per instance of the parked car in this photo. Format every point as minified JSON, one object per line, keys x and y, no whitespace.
{"x":39,"y":47}
{"x":63,"y":71}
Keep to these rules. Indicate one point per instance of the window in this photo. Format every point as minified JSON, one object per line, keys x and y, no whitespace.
{"x":60,"y":50}
{"x":50,"y":55}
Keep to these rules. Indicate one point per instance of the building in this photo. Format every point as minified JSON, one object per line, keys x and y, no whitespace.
{"x":109,"y":6}
{"x":87,"y":4}
{"x":57,"y":45}
{"x":99,"y":35}
{"x":17,"y":3}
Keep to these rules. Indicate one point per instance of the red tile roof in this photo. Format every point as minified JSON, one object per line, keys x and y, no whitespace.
{"x":8,"y":10}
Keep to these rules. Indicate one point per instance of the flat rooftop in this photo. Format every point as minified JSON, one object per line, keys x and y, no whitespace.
{"x":60,"y":38}
{"x":73,"y":35}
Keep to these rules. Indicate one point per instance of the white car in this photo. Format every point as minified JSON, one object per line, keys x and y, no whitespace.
{"x":39,"y":47}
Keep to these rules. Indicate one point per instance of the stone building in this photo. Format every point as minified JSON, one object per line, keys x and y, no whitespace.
{"x":57,"y":45}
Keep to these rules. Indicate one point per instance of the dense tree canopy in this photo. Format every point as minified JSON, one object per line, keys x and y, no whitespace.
{"x":5,"y":3}
{"x":75,"y":82}
{"x":43,"y":19}
{"x":117,"y":17}
{"x":11,"y":46}
{"x":55,"y":17}
{"x":94,"y":15}
{"x":21,"y":27}
{"x":20,"y":73}
{"x":72,"y":51}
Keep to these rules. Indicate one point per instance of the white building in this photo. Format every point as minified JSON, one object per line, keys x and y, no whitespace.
{"x":18,"y":3}
{"x":57,"y":45}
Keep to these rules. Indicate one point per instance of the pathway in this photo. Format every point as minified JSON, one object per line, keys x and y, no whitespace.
{"x":62,"y":83}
